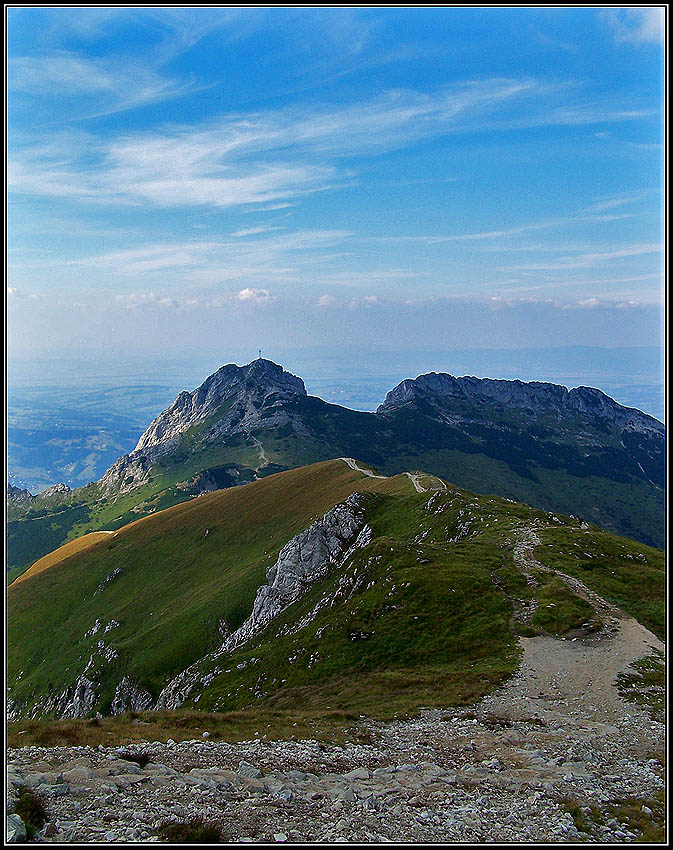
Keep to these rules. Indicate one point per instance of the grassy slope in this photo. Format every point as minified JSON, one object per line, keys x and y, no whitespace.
{"x":426,"y":625}
{"x":626,"y":573}
{"x":176,"y":582}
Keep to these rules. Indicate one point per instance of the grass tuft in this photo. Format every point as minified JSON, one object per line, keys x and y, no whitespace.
{"x":139,"y":758}
{"x":194,"y":831}
{"x":32,"y":810}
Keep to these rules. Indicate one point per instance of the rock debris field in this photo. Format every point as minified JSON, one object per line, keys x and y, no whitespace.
{"x":499,"y":771}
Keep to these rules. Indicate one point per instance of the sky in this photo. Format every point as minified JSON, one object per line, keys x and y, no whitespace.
{"x":192,"y":180}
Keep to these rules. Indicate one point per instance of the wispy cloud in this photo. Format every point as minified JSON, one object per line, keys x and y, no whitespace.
{"x":581,"y":217}
{"x":94,"y":87}
{"x":264,"y":158}
{"x":596,"y":258}
{"x":637,"y":26}
{"x":274,"y":257}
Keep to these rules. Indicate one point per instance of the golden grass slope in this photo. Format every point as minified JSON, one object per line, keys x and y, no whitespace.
{"x":262,"y":495}
{"x":74,"y":547}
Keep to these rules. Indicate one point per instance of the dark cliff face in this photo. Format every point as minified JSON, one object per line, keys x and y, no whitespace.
{"x":534,"y":395}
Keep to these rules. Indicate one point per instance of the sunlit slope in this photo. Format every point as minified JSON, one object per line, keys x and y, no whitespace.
{"x":181,"y":572}
{"x":425,"y":613}
{"x":75,"y":547}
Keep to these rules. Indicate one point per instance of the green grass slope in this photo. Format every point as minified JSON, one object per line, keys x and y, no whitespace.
{"x":422,"y":615}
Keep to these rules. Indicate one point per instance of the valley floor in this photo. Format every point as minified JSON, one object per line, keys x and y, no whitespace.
{"x":555,"y":755}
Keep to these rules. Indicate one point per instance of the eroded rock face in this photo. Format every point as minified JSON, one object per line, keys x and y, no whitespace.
{"x":56,"y":490}
{"x":129,"y":696}
{"x":304,"y":560}
{"x":80,"y":699}
{"x":258,"y":379}
{"x":241,"y":396}
{"x":325,"y":545}
{"x":19,"y":495}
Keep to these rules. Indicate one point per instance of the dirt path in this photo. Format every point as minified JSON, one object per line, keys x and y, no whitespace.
{"x":263,"y":459}
{"x":349,"y":461}
{"x":556,"y":734}
{"x":526,"y":562}
{"x":574,"y":681}
{"x":421,"y":480}
{"x":418,"y":477}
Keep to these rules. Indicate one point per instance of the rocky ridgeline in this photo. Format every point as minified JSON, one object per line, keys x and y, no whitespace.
{"x":533,"y":395}
{"x":24,"y":499}
{"x":445,"y":777}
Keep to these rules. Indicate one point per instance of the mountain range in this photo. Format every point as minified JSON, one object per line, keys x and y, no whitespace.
{"x":577,"y":451}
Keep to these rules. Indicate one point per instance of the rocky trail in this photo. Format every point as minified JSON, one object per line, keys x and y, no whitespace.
{"x":350,"y":461}
{"x":263,"y":459}
{"x":423,"y":482}
{"x":557,"y":731}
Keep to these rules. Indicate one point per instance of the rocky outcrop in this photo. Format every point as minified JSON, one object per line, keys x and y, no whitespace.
{"x":18,"y":495}
{"x":307,"y":558}
{"x":19,"y":502}
{"x":534,"y":395}
{"x":79,"y":700}
{"x":129,"y":696}
{"x":324,"y":546}
{"x":126,"y":474}
{"x":59,"y":491}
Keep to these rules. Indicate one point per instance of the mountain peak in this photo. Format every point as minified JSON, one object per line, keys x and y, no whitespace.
{"x":248,"y":388}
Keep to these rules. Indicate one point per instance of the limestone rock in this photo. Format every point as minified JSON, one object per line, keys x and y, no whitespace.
{"x":129,"y":696}
{"x":309,"y":556}
{"x":81,"y":698}
{"x":16,"y":830}
{"x":244,"y":396}
{"x":534,"y":395}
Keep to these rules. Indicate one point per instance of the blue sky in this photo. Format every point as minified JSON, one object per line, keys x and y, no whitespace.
{"x":188,"y":179}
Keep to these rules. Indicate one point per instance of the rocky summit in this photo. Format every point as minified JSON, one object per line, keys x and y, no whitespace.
{"x":535,"y":397}
{"x":232,"y":401}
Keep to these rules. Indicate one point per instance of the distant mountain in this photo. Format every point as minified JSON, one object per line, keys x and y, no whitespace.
{"x":574,"y":451}
{"x":329,"y":585}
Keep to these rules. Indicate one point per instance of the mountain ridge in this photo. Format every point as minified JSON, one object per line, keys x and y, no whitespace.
{"x":521,"y":394}
{"x":326,"y":574}
{"x":575,"y":451}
